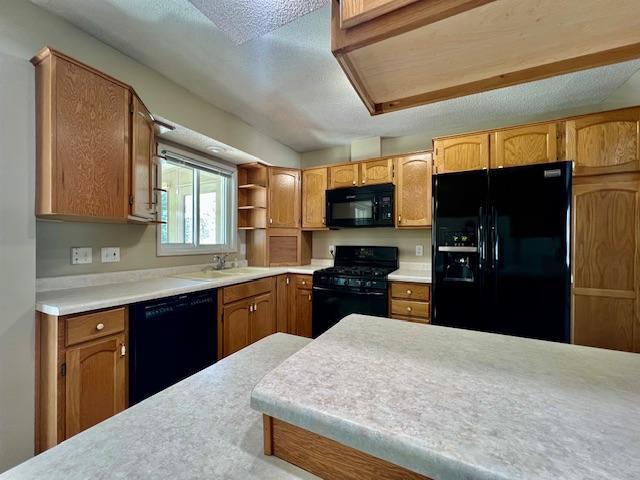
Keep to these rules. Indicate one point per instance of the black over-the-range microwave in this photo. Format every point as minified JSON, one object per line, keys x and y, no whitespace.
{"x":360,"y":206}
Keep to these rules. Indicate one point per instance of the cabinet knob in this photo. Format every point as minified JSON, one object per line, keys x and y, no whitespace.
{"x":364,"y":181}
{"x":100,"y":326}
{"x":255,"y":307}
{"x":304,"y":282}
{"x":409,"y":309}
{"x":123,"y":350}
{"x":271,"y":220}
{"x":409,"y":292}
{"x":323,"y":221}
{"x":399,"y":218}
{"x":251,"y":307}
{"x":309,"y":297}
{"x":354,"y":182}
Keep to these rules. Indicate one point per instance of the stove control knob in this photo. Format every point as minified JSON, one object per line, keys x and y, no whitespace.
{"x":368,"y":284}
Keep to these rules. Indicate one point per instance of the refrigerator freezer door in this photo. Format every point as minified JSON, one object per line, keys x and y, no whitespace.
{"x":529,"y":284}
{"x":458,"y":249}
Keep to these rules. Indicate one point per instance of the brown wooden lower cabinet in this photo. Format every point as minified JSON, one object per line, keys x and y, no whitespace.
{"x":81,"y":367}
{"x":410,"y":301}
{"x":326,"y":458}
{"x":246,"y":313}
{"x":300,"y":322}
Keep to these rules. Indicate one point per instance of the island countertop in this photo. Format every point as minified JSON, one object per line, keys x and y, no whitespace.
{"x":201,"y":427}
{"x":456,"y":404}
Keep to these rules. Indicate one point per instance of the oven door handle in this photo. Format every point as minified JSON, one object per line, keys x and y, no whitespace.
{"x":331,"y":290}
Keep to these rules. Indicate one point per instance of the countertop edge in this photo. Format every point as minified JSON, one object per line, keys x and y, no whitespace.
{"x":393,"y":450}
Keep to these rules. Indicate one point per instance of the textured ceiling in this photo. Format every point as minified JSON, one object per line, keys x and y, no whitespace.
{"x":244,"y":20}
{"x":287,"y":84}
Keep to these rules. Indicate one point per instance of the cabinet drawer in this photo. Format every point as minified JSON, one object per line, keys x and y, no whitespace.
{"x":304,"y":281}
{"x":411,"y":319}
{"x":94,"y":325}
{"x":249,"y":289}
{"x":409,"y":308}
{"x":410,"y":291}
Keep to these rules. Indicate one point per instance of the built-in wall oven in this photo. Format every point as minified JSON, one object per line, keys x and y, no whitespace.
{"x":360,"y":206}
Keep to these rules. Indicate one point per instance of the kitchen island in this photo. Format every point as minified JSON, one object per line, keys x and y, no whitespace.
{"x":454,"y":404}
{"x":201,"y":427}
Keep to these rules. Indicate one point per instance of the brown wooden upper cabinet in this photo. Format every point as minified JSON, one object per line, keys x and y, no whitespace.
{"x":413,"y":190}
{"x":524,"y":145}
{"x":314,"y":186}
{"x":373,"y":172}
{"x":370,"y":172}
{"x":606,"y":249}
{"x":94,"y":144}
{"x":605,"y":142}
{"x":346,"y":175}
{"x":458,"y":154}
{"x":83,"y":125}
{"x":142,"y":199}
{"x":284,"y":198}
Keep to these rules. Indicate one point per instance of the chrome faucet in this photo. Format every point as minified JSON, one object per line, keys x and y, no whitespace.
{"x":219,"y":261}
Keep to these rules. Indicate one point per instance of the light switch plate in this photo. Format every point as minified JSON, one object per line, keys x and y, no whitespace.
{"x":81,"y":255}
{"x":110,"y":254}
{"x":419,"y":250}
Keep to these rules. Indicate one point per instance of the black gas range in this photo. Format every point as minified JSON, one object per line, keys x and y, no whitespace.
{"x":357,"y":283}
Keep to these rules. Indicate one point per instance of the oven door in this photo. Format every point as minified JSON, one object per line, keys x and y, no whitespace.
{"x":332,"y":305}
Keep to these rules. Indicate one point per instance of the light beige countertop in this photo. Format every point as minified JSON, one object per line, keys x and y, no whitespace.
{"x":407,"y":272}
{"x":137,"y":287}
{"x":201,"y":427}
{"x":457,"y":404}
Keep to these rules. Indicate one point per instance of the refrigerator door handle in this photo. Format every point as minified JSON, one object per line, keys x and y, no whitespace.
{"x":495,"y":239}
{"x":482,"y":244}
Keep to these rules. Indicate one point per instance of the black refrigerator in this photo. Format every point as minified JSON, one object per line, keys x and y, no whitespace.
{"x":501,"y":250}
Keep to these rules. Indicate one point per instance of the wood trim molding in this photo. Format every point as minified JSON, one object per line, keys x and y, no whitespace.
{"x":327,"y":458}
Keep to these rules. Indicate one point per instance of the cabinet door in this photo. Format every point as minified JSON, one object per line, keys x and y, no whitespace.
{"x":282,"y":303}
{"x":314,"y":186}
{"x":605,"y":142}
{"x":95,"y":383}
{"x":524,"y":146}
{"x":605,"y":263}
{"x":413,"y":191}
{"x":235,"y":327}
{"x":142,"y":148}
{"x":376,"y":171}
{"x":284,"y":198}
{"x":342,"y":176}
{"x":355,"y":12}
{"x":459,"y":154}
{"x":263,"y":318}
{"x":91,"y":135}
{"x":303,"y":312}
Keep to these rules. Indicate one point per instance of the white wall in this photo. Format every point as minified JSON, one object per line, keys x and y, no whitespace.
{"x":17,"y":260}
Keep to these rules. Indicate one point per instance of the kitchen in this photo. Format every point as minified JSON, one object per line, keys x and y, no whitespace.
{"x":265,"y":235}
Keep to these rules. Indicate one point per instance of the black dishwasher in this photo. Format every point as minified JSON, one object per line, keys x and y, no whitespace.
{"x":170,"y":339}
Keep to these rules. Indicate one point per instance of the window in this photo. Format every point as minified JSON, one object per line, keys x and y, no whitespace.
{"x":197,"y":202}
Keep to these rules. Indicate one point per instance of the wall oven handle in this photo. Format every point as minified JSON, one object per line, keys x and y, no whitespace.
{"x":332,"y":290}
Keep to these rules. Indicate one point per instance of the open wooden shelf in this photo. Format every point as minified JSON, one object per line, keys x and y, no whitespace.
{"x":251,"y":207}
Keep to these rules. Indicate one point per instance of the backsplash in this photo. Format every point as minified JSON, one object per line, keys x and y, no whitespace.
{"x":405,"y":240}
{"x":137,"y":243}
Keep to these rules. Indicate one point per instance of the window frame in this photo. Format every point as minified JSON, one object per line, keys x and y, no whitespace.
{"x":199,"y":162}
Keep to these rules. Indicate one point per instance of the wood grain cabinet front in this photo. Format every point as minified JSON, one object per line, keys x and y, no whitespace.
{"x":606,"y":256}
{"x":373,"y":172}
{"x":247,"y":312}
{"x":81,"y":363}
{"x":95,"y":383}
{"x":95,"y":145}
{"x":413,"y":190}
{"x":607,"y":142}
{"x":284,"y":198}
{"x":314,"y":186}
{"x":463,"y":153}
{"x":524,"y":145}
{"x":410,"y":301}
{"x":341,"y":176}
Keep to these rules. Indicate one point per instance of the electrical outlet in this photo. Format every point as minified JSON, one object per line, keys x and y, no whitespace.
{"x":110,"y":254}
{"x":81,"y":255}
{"x":419,"y":250}
{"x":332,"y":250}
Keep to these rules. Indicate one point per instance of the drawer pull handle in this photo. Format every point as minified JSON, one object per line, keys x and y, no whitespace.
{"x":353,"y":183}
{"x":364,"y":181}
{"x":409,"y":309}
{"x":100,"y":326}
{"x":409,"y":292}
